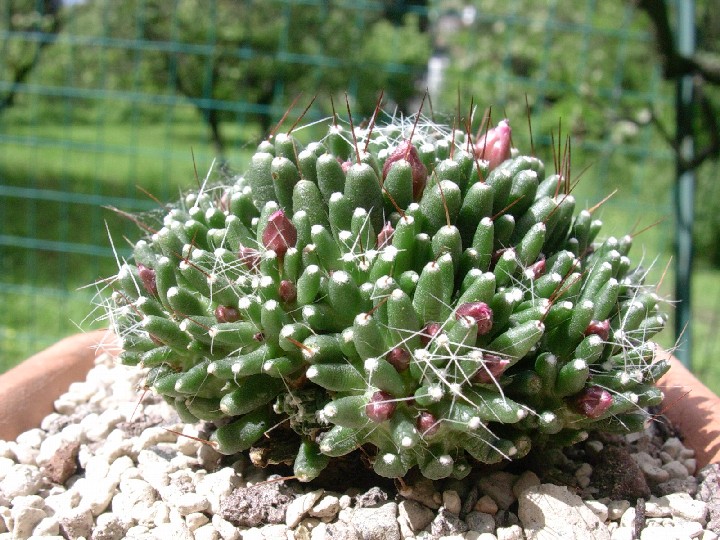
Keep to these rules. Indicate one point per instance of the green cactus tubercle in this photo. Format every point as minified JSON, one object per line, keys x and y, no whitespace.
{"x":435,"y":300}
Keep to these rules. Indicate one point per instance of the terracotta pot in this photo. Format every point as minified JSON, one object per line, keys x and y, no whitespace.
{"x":27,"y":392}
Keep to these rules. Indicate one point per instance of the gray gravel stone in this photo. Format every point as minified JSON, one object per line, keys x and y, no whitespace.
{"x":498,"y":485}
{"x":480,"y":522}
{"x":414,"y":516}
{"x":548,"y":511}
{"x":77,"y":522}
{"x":378,"y":523}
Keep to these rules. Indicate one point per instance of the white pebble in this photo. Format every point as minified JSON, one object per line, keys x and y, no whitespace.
{"x":514,"y":532}
{"x":196,"y":520}
{"x":685,"y":507}
{"x":327,"y":508}
{"x":206,"y":532}
{"x":174,"y":531}
{"x":98,"y":495}
{"x":25,"y":518}
{"x":617,"y":508}
{"x":673,"y":446}
{"x":622,"y":533}
{"x":451,"y":501}
{"x":188,"y":503}
{"x":31,"y":438}
{"x":227,"y":530}
{"x":20,"y":480}
{"x":628,"y":518}
{"x":48,"y":526}
{"x":598,"y":508}
{"x":297,"y":509}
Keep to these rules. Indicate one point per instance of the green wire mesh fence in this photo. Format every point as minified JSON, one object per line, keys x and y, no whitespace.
{"x":115,"y":105}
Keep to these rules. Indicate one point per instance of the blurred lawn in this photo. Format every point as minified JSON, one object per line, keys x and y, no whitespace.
{"x":55,"y":228}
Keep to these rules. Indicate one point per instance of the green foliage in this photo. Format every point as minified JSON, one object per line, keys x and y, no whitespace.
{"x":436,"y":333}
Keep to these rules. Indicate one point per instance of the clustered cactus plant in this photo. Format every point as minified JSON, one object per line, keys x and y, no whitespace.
{"x":410,"y":289}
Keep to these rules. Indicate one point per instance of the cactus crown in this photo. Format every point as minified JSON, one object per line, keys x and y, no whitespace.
{"x":411,"y":289}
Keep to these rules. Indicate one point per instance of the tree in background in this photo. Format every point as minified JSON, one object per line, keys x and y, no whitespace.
{"x":31,"y":26}
{"x":231,"y":58}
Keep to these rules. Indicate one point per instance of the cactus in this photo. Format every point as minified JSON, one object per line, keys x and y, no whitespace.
{"x":407,"y":289}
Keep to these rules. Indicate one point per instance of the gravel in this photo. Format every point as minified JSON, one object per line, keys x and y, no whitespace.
{"x":111,"y":463}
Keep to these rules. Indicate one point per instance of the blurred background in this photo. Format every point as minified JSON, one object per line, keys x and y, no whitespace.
{"x":112,"y":103}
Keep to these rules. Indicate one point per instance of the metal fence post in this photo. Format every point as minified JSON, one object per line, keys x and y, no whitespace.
{"x":684,"y":184}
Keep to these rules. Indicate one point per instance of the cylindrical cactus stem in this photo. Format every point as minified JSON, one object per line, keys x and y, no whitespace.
{"x":240,"y":434}
{"x":310,"y":461}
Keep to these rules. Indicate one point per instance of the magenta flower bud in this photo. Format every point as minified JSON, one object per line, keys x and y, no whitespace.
{"x":381,"y":406}
{"x":593,"y":401}
{"x":147,"y":276}
{"x":399,"y":358}
{"x":287,"y":291}
{"x":599,"y":328}
{"x":480,"y":312}
{"x":494,"y":145}
{"x":226,"y":314}
{"x":385,"y":235}
{"x":405,"y":150}
{"x":250,"y":257}
{"x":279,"y":234}
{"x":427,"y":424}
{"x":493,"y":366}
{"x":427,"y":333}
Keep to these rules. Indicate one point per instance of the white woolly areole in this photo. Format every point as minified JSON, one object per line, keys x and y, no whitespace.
{"x":435,"y":392}
{"x":362,"y":319}
{"x":184,"y":324}
{"x":474,"y":423}
{"x":445,"y":460}
{"x":389,"y":253}
{"x":407,"y":442}
{"x":344,"y":236}
{"x":579,"y":363}
{"x":371,"y":364}
{"x":220,"y":252}
{"x":384,"y":282}
{"x":266,"y":281}
{"x":512,"y":451}
{"x":341,"y":277}
{"x":509,"y":255}
{"x":587,"y":304}
{"x":548,"y":417}
{"x":348,"y":335}
{"x":406,"y":220}
{"x":514,"y":295}
{"x":244,"y":302}
{"x":522,"y":413}
{"x":287,"y":331}
{"x":267,"y":366}
{"x":455,"y":388}
{"x":389,"y":459}
{"x":308,"y":311}
{"x":594,"y":339}
{"x":330,"y":410}
{"x":359,"y":212}
{"x":311,"y":372}
{"x":173,"y":291}
{"x":397,"y":294}
{"x":316,"y":229}
{"x":486,"y":222}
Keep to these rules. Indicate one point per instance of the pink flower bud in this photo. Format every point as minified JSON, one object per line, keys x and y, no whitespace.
{"x":147,"y":277}
{"x":593,"y":401}
{"x":427,"y":424}
{"x":599,"y":328}
{"x":427,"y":333}
{"x":494,"y":145}
{"x":279,"y":234}
{"x":381,"y":406}
{"x":480,"y":312}
{"x":385,"y":235}
{"x":537,"y":269}
{"x":345,"y":165}
{"x":287,"y":291}
{"x":493,"y":366}
{"x":405,"y":150}
{"x":226,"y":314}
{"x":399,"y":358}
{"x":250,"y":257}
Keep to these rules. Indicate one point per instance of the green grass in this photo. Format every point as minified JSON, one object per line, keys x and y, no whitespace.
{"x":55,"y":180}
